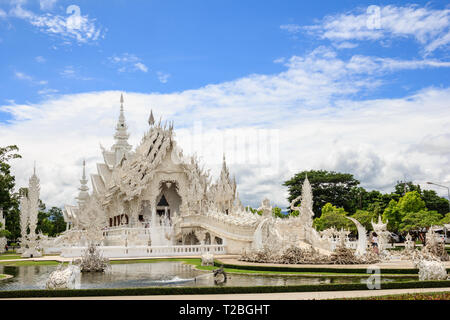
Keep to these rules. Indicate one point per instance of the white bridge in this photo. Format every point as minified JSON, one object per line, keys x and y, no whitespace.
{"x":146,"y":251}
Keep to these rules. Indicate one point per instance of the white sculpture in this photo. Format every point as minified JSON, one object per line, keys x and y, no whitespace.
{"x":63,"y":278}
{"x":3,"y":240}
{"x":93,"y":261}
{"x":431,"y":270}
{"x":207,"y":259}
{"x":29,"y":210}
{"x":380,"y":229}
{"x":409,"y":243}
{"x":362,"y":237}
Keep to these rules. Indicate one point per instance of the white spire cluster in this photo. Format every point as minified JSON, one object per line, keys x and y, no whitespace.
{"x":83,"y":196}
{"x":121,"y":136}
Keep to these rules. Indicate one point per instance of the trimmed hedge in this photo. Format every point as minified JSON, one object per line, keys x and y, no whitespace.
{"x":315,"y":269}
{"x":216,"y":290}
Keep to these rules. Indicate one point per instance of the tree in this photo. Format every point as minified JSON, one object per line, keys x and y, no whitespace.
{"x":57,"y":219}
{"x":446,"y":219}
{"x":333,"y":217}
{"x":431,"y":198}
{"x":276,"y":212}
{"x":365,"y":218}
{"x":3,"y":232}
{"x":328,"y":187}
{"x":393,"y":215}
{"x":410,"y":207}
{"x":420,"y":220}
{"x":434,"y":202}
{"x":9,"y":200}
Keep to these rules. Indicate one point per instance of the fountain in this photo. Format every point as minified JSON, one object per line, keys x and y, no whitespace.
{"x":161,"y":229}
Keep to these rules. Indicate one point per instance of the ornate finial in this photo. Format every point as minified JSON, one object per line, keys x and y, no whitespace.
{"x":151,"y":119}
{"x":121,"y":98}
{"x":34,"y":167}
{"x":84,"y":169}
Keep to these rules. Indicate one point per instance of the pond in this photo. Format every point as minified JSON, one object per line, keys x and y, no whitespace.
{"x":163,"y":273}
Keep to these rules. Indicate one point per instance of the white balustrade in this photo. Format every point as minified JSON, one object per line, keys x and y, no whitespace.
{"x":146,"y":251}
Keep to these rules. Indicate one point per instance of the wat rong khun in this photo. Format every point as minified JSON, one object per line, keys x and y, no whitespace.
{"x":155,"y":223}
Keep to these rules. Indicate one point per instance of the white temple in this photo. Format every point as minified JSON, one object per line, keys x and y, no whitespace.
{"x":155,"y":186}
{"x":153,"y":200}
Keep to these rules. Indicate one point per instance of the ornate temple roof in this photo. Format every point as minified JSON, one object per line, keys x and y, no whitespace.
{"x":125,"y":174}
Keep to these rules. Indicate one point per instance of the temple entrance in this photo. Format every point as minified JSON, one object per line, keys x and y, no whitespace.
{"x":168,"y":201}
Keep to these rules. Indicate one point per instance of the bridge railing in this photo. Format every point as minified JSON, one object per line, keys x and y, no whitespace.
{"x":147,"y":251}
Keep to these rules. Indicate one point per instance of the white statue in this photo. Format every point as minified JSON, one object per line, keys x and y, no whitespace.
{"x":30,"y":207}
{"x":3,"y":240}
{"x":380,"y":229}
{"x":409,"y":243}
{"x":207,"y":259}
{"x":63,"y":278}
{"x":431,"y":270}
{"x":361,"y":249}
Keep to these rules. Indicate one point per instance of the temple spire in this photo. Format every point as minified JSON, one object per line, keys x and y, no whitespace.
{"x":83,"y":196}
{"x":121,"y":135}
{"x":151,"y":119}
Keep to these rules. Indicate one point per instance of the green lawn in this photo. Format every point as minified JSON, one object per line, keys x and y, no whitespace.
{"x":9,"y":256}
{"x":411,"y":296}
{"x":29,"y":263}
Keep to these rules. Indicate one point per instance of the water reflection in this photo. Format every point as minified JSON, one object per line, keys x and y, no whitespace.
{"x":164,"y":273}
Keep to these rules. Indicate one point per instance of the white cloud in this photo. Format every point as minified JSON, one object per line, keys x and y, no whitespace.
{"x":2,"y":13}
{"x":291,"y":28}
{"x":431,"y":28}
{"x":23,"y":76}
{"x":345,"y":45}
{"x":77,"y":27}
{"x":40,"y":59}
{"x":127,"y":63}
{"x":140,"y":66}
{"x":47,"y":4}
{"x":310,"y":108}
{"x":163,"y":77}
{"x":71,"y":72}
{"x":47,"y":91}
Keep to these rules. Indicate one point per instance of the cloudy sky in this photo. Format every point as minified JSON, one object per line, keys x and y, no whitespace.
{"x":279,"y":86}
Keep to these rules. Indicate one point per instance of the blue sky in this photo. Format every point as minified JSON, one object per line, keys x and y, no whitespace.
{"x":195,"y":43}
{"x":279,"y":63}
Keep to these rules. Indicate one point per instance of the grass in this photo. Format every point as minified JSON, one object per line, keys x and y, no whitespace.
{"x":9,"y":256}
{"x":410,"y":296}
{"x":30,"y":263}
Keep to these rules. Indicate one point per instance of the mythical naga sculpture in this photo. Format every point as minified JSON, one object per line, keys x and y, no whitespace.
{"x":362,"y":237}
